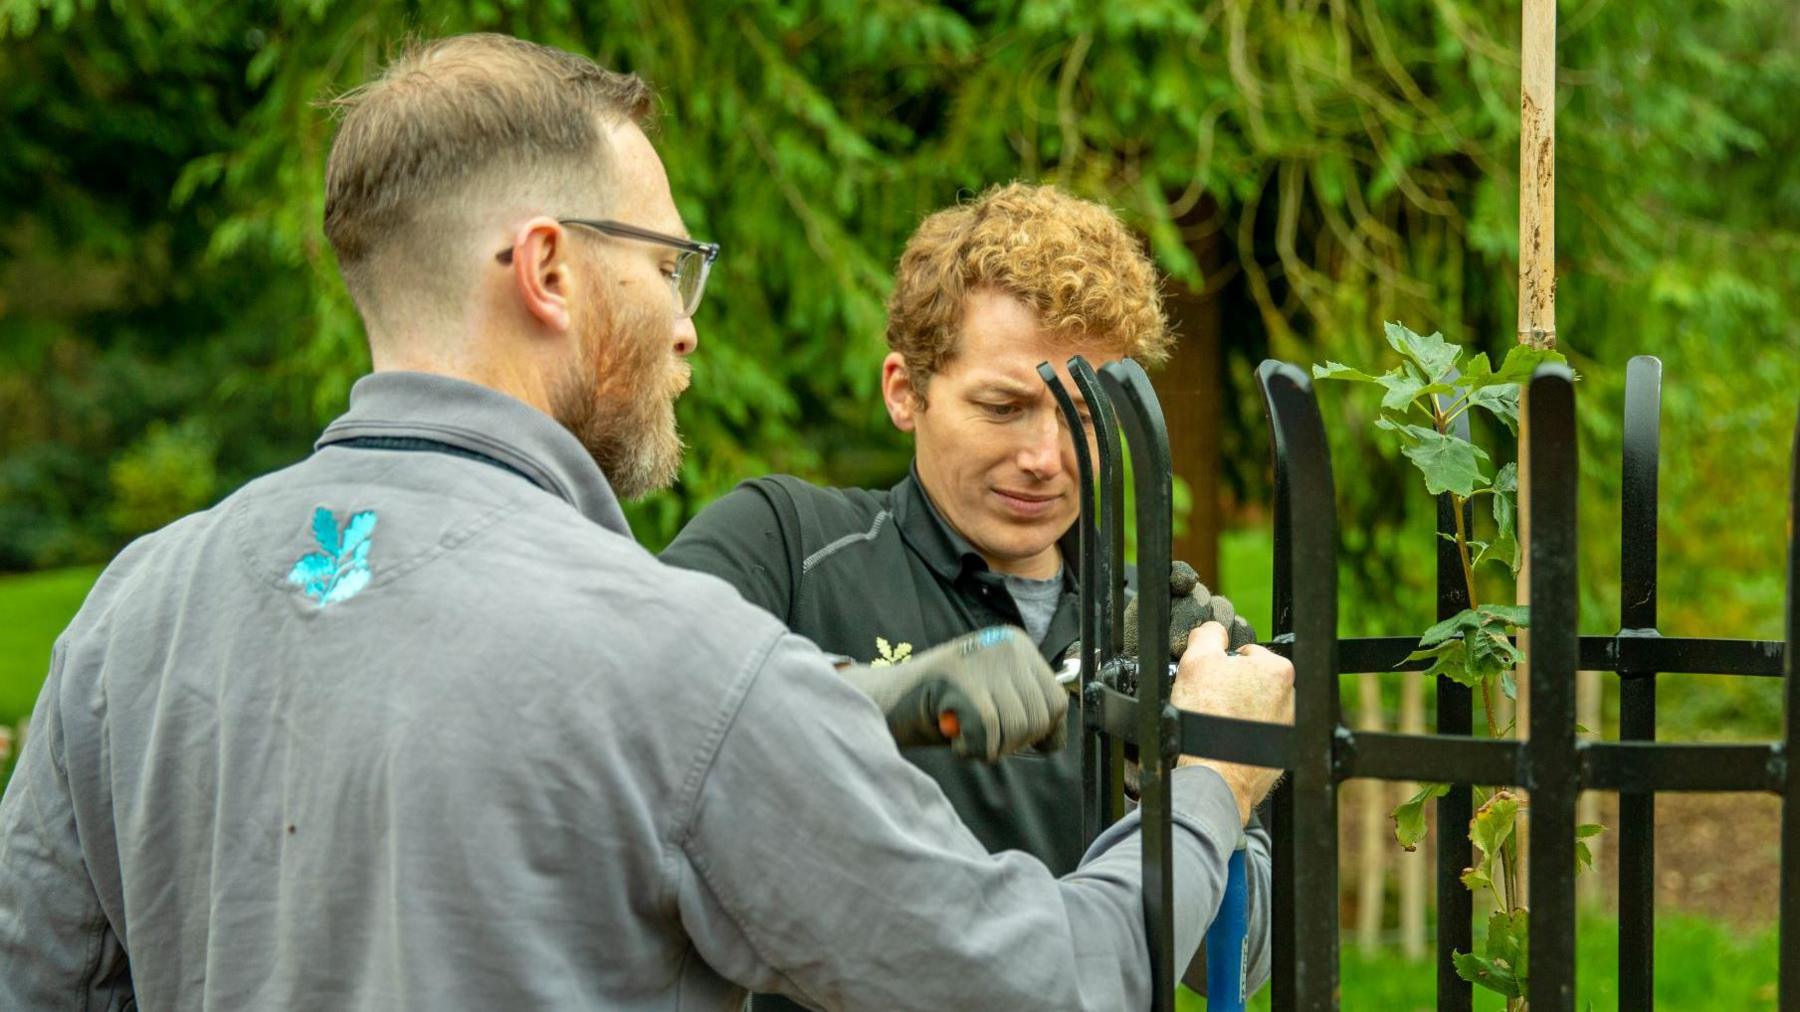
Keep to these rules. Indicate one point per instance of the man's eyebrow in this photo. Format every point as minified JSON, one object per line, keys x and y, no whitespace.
{"x":1002,"y":387}
{"x":1006,"y":388}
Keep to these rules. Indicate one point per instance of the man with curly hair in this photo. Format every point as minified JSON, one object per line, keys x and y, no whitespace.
{"x":978,"y":532}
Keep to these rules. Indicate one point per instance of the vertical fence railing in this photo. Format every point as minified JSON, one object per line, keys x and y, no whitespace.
{"x":1125,"y":699}
{"x":1790,"y":809}
{"x":1551,"y":774}
{"x":1312,"y":558}
{"x":1283,"y":970}
{"x":1637,"y":688}
{"x":1455,"y":715}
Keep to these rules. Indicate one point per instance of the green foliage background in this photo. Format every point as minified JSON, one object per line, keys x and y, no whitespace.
{"x":171,"y":322}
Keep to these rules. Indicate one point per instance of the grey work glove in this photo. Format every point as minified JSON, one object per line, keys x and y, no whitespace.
{"x":1191,"y":606}
{"x":988,"y":694}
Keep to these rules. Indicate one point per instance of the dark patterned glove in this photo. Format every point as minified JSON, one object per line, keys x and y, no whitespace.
{"x":1191,"y":605}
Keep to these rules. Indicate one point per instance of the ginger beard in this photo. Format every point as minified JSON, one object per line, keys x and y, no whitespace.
{"x":619,"y":396}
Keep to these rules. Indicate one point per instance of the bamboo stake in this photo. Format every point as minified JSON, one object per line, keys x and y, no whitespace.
{"x":1537,"y":276}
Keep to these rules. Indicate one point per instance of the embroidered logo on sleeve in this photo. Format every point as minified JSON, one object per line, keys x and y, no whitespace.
{"x":891,"y":654}
{"x":340,"y":569}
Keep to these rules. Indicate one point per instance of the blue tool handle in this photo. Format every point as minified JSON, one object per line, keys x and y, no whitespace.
{"x":1227,"y":941}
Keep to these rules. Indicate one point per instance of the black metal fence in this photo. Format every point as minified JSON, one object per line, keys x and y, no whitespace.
{"x":1122,"y":710}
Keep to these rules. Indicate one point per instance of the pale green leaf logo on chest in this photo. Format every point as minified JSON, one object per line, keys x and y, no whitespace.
{"x":890,"y":654}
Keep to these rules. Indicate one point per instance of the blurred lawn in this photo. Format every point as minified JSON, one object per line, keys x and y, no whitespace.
{"x":1247,"y":574}
{"x":1700,"y":964}
{"x":37,"y":607}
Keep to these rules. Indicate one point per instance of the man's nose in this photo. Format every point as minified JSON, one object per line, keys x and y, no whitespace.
{"x":1043,"y":455}
{"x":686,"y":337}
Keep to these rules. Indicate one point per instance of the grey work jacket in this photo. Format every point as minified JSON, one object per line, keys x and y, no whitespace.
{"x":399,"y":729}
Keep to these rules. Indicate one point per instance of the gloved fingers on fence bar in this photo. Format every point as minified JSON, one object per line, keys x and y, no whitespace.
{"x":1191,"y":605}
{"x":1242,"y":635}
{"x":1183,"y":580}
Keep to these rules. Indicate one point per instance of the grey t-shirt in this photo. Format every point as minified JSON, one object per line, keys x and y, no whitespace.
{"x":403,"y":729}
{"x":1036,"y":600}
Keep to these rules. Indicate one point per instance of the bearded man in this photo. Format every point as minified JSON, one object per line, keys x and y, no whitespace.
{"x":415,"y":723}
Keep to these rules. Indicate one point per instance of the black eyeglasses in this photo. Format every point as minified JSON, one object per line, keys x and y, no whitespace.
{"x":692,"y":265}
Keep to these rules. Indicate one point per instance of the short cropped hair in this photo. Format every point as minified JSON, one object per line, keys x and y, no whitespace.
{"x":1071,"y":260}
{"x":445,"y":117}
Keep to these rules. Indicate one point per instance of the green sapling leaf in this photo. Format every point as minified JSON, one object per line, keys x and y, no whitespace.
{"x":1507,"y":478}
{"x":1410,"y":434}
{"x":1505,"y":487}
{"x":1490,"y":654}
{"x":1453,"y":664}
{"x":1449,"y":464}
{"x":1475,"y":373}
{"x":1509,"y":944}
{"x":1403,"y":386}
{"x":1431,"y":353}
{"x":1485,"y":973}
{"x":1409,"y":816}
{"x":1506,"y":937}
{"x":1522,"y":360}
{"x":1339,"y":371}
{"x":1492,"y":825}
{"x":1489,"y":830}
{"x":1584,"y":858}
{"x":1503,"y":550}
{"x":1516,"y":615}
{"x":1455,"y":625}
{"x":1502,"y":401}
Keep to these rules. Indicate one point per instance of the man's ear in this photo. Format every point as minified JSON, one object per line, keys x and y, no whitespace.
{"x":903,"y":403}
{"x":540,"y":272}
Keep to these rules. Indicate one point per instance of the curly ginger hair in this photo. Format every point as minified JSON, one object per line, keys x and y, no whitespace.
{"x":1072,"y":261}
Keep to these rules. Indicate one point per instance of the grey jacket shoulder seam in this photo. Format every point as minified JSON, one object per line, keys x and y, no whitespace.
{"x":806,"y":565}
{"x":688,"y":803}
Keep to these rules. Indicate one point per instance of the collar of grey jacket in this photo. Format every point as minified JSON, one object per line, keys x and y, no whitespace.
{"x":481,"y":420}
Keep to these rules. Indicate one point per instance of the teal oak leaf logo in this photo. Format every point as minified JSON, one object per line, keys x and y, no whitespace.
{"x":340,"y":569}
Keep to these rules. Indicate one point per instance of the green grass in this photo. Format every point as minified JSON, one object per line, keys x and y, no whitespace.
{"x":37,"y":606}
{"x":1247,"y":574}
{"x":1700,"y":964}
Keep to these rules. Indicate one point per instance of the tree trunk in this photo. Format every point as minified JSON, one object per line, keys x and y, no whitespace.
{"x":1373,"y":842}
{"x":1588,"y":689}
{"x":1190,"y":391}
{"x":1415,"y":868}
